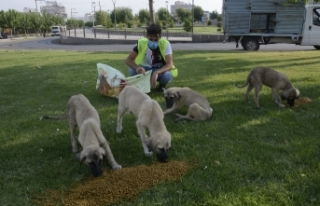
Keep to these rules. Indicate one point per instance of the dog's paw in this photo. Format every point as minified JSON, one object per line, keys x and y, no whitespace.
{"x":149,"y":154}
{"x":116,"y":167}
{"x":119,"y":129}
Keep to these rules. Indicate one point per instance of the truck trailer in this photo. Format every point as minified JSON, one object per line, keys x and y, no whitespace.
{"x":252,"y":23}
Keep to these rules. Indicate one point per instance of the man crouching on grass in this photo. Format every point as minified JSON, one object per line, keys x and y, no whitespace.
{"x":153,"y":53}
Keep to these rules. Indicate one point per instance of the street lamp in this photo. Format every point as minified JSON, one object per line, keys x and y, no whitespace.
{"x":114,"y":11}
{"x":94,"y":11}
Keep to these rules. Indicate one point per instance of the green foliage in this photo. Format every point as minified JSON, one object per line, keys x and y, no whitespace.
{"x":72,"y":23}
{"x":214,"y":14}
{"x":163,"y":14}
{"x":11,"y":19}
{"x":47,"y":22}
{"x":101,"y":18}
{"x":25,"y":21}
{"x":121,"y":15}
{"x":198,"y":13}
{"x":183,"y":14}
{"x":209,"y":23}
{"x":89,"y":24}
{"x":144,"y":16}
{"x":187,"y":25}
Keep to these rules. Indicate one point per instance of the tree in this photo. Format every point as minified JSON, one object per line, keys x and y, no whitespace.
{"x":198,"y":13}
{"x":214,"y":14}
{"x":11,"y":18}
{"x":25,"y":22}
{"x":47,"y":22}
{"x":144,"y":15}
{"x":3,"y":19}
{"x":183,"y":14}
{"x":36,"y":21}
{"x":122,"y":15}
{"x":101,"y":18}
{"x":72,"y":23}
{"x":163,"y":14}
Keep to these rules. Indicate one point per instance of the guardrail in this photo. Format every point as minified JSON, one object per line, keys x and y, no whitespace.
{"x":131,"y":34}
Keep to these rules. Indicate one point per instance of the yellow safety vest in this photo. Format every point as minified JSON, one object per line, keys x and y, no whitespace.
{"x":142,"y":50}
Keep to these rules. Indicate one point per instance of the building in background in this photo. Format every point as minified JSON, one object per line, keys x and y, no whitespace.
{"x":29,"y":10}
{"x":52,"y":7}
{"x":177,"y":5}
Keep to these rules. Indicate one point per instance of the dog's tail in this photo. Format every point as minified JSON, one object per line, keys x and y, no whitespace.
{"x":64,"y":117}
{"x":246,"y":84}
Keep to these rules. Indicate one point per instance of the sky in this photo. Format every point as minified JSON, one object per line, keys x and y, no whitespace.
{"x":85,"y":6}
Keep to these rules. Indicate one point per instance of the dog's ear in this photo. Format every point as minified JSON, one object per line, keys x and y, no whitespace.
{"x":177,"y":95}
{"x":102,"y":151}
{"x":81,"y":156}
{"x":152,"y":142}
{"x":297,"y":93}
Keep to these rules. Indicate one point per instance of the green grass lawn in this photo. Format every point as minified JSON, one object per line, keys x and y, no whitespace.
{"x":242,"y":155}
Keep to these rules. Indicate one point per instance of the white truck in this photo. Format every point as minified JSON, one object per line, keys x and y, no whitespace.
{"x":55,"y":31}
{"x":255,"y":22}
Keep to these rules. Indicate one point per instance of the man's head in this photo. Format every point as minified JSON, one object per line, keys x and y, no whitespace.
{"x":154,"y":32}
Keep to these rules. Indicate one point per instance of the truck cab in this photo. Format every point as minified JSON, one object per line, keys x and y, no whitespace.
{"x":311,"y":31}
{"x":252,"y":23}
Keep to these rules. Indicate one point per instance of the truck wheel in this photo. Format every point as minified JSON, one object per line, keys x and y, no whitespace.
{"x":317,"y":47}
{"x":250,"y":44}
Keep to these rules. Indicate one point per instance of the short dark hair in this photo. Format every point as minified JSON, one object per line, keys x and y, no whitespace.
{"x":153,"y":30}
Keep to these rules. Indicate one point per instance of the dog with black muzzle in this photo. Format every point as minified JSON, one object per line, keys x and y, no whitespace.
{"x":273,"y":79}
{"x":149,"y":115}
{"x":95,"y":146}
{"x":198,"y":106}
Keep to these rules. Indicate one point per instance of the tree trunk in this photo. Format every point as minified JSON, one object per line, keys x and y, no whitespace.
{"x":153,"y":21}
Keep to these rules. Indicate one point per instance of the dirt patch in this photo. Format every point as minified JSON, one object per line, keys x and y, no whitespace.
{"x":116,"y":186}
{"x":301,"y":101}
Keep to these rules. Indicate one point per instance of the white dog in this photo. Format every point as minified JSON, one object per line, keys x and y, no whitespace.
{"x":149,"y":115}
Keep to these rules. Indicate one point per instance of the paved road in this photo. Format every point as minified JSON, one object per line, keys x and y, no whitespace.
{"x":45,"y":43}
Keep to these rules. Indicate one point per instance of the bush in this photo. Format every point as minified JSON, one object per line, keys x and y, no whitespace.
{"x":209,"y":23}
{"x":187,"y":25}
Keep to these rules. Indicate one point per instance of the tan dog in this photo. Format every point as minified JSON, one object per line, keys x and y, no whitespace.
{"x":82,"y":114}
{"x":149,"y":115}
{"x":198,"y":106}
{"x":273,"y":79}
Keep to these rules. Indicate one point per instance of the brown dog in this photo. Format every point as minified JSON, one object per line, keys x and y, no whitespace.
{"x":82,"y":114}
{"x":198,"y":106}
{"x":273,"y":79}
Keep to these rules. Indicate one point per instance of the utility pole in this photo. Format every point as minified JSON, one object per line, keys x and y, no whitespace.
{"x":72,"y":12}
{"x":37,"y":4}
{"x":94,"y":11}
{"x":114,"y":11}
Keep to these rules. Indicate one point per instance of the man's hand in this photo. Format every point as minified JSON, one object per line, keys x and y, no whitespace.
{"x":153,"y":80}
{"x":140,"y":70}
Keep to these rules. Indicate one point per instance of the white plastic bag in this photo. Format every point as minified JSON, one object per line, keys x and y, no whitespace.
{"x":111,"y":81}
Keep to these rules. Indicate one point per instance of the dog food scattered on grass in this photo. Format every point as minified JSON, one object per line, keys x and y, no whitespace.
{"x":115,"y":186}
{"x":301,"y":101}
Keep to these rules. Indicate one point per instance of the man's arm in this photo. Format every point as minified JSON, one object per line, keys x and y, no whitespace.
{"x":130,"y":62}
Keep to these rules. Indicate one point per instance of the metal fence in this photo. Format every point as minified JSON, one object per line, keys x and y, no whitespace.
{"x":130,"y":34}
